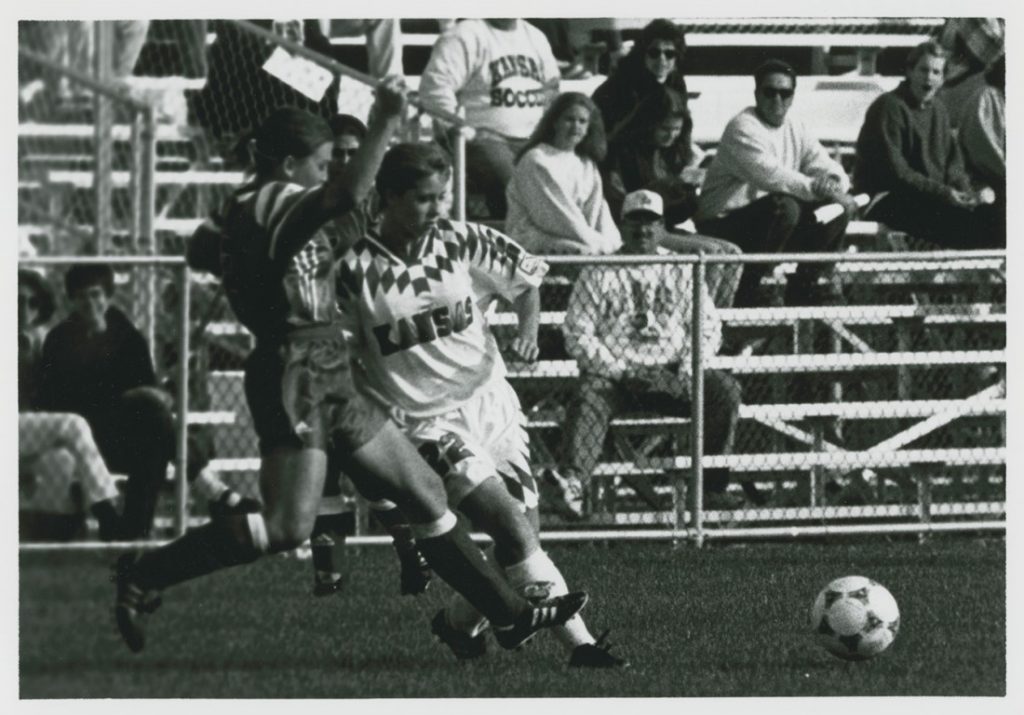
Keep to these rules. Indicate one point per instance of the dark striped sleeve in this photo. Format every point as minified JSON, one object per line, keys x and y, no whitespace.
{"x":291,"y":216}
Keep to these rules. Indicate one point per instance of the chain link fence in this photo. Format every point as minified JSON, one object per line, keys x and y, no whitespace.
{"x":885,"y":413}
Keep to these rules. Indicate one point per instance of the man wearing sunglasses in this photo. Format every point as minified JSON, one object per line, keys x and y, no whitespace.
{"x":762,"y":188}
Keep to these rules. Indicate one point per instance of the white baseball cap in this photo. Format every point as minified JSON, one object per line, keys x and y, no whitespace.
{"x":643,"y":200}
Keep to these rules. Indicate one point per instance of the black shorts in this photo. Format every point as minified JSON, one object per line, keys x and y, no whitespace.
{"x":300,"y":394}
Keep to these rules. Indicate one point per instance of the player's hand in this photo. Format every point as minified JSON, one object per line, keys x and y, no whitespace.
{"x":827,"y":186}
{"x":525,"y":348}
{"x":848,"y":202}
{"x":392,"y":97}
{"x":693,"y":175}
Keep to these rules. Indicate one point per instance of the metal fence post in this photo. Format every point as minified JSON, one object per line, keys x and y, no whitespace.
{"x":103,"y":164}
{"x":181,"y":482}
{"x":459,"y":173}
{"x":697,"y":404}
{"x":147,"y":213}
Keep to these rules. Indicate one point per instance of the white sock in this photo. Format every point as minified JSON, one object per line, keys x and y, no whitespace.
{"x":538,"y":571}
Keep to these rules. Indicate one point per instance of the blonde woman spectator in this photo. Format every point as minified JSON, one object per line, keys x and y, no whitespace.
{"x":556,"y":200}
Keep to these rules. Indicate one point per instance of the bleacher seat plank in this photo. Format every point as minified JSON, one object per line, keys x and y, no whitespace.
{"x":122,"y":179}
{"x":801,"y":461}
{"x":751,"y":514}
{"x":764,"y":462}
{"x":865,"y":410}
{"x":119,"y":132}
{"x":811,"y":362}
{"x":853,"y":314}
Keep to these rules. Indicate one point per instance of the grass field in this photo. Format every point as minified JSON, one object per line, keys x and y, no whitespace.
{"x":722,"y":621}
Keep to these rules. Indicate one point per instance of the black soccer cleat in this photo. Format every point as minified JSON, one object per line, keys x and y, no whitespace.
{"x":462,"y":645}
{"x":131,"y":604}
{"x":548,"y":614}
{"x":596,"y":655}
{"x":415,"y":574}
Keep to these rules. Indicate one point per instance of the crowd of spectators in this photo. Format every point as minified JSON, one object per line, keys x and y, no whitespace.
{"x":567,"y":173}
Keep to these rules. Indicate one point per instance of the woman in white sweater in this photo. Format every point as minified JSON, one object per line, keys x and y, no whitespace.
{"x":555,"y":197}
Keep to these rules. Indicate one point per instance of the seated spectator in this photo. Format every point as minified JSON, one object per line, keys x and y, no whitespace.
{"x":555,"y":199}
{"x":349,"y":133}
{"x":982,"y":135}
{"x":35,"y":310}
{"x":655,"y":61}
{"x":58,"y":464}
{"x":630,"y":329}
{"x":761,"y":191}
{"x":72,"y":44}
{"x":383,"y":42}
{"x":653,"y":150}
{"x":973,"y":44}
{"x":96,"y":364}
{"x":60,"y":473}
{"x":909,"y":161}
{"x":503,"y":74}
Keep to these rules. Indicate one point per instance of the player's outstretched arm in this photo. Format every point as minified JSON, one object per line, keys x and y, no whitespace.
{"x":527,"y":309}
{"x":357,"y":177}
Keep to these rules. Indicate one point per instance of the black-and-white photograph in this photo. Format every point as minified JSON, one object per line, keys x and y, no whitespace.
{"x":555,"y":357}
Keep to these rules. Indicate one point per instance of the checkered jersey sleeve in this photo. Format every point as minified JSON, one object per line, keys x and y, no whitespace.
{"x":497,"y":264}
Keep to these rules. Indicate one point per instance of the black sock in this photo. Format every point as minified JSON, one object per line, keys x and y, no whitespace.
{"x":397,"y":526}
{"x":108,"y":518}
{"x":327,"y":542}
{"x":456,"y":559}
{"x":219,"y":544}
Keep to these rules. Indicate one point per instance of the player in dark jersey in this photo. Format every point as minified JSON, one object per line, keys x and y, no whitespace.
{"x":278,"y":276}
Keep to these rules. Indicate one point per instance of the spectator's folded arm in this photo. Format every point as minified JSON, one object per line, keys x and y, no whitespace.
{"x":580,"y":327}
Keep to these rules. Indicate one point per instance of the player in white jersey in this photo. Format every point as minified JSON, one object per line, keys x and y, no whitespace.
{"x":411,"y":294}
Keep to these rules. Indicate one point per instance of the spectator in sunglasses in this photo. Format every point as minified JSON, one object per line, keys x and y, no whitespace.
{"x":768,"y":177}
{"x":655,"y":61}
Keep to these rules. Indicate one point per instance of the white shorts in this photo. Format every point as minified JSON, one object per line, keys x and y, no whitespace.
{"x":483,"y":438}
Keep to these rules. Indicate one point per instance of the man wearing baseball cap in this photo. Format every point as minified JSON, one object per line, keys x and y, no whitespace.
{"x":630,"y":329}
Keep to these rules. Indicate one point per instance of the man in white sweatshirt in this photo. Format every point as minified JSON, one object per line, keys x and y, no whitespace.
{"x":630,"y":329}
{"x":765,"y":182}
{"x":503,"y":73}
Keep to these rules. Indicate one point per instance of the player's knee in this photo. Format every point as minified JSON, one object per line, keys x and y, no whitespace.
{"x":502,"y":518}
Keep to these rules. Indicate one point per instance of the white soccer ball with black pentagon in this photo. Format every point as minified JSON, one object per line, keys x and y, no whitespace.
{"x":855,"y":618}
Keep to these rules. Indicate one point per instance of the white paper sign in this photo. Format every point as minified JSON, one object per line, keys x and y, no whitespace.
{"x":299,"y":73}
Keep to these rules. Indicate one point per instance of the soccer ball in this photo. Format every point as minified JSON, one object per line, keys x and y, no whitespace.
{"x":855,"y":618}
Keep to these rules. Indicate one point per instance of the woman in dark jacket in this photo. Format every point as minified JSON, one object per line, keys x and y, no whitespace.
{"x":653,"y":150}
{"x":655,"y":61}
